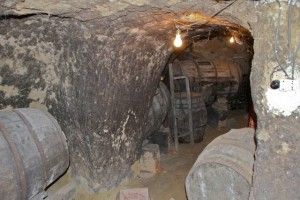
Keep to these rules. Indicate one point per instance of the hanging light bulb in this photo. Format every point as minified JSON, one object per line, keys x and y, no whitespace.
{"x":232,"y":40}
{"x":178,"y":41}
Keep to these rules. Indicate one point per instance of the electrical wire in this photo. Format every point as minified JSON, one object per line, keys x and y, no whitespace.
{"x":292,"y":55}
{"x":276,"y":41}
{"x":289,"y":35}
{"x":295,"y":54}
{"x":220,"y":11}
{"x":275,"y":69}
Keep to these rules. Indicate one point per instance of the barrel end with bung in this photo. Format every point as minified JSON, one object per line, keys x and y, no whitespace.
{"x":224,"y":169}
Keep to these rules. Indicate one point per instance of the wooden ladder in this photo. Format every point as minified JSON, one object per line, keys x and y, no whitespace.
{"x":189,"y":101}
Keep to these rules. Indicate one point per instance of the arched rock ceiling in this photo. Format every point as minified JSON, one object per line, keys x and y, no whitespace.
{"x":241,"y":12}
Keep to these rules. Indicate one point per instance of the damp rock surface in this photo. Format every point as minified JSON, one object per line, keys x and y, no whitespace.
{"x":99,"y":95}
{"x":95,"y":66}
{"x":276,"y":167}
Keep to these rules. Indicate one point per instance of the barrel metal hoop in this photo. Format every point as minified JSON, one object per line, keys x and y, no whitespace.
{"x":238,"y":167}
{"x":18,"y":161}
{"x":38,"y":145}
{"x":230,"y":141}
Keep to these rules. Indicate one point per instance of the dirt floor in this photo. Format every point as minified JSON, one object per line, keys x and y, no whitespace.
{"x":168,"y":183}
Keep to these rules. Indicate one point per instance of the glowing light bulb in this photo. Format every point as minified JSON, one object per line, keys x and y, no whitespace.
{"x":232,"y":40}
{"x":178,"y":41}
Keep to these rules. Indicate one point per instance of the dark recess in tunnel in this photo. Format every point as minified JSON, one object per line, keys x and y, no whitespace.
{"x":217,"y":69}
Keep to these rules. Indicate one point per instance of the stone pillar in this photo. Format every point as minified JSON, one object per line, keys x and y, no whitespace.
{"x":277,"y":158}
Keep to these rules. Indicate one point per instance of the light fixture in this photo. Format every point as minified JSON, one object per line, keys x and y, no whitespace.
{"x":232,"y":40}
{"x":178,"y":41}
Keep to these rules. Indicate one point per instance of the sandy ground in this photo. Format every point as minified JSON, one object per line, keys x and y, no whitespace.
{"x":169,"y":183}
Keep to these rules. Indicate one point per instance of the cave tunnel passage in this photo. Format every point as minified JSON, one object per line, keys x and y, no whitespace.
{"x":215,"y":58}
{"x":215,"y":61}
{"x":90,"y":90}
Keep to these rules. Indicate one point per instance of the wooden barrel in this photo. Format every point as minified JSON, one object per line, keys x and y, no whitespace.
{"x":199,"y":115}
{"x":224,"y":169}
{"x":189,"y":69}
{"x":33,"y":153}
{"x":159,"y":108}
{"x":226,"y":76}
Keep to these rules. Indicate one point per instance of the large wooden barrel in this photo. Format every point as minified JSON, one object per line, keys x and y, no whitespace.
{"x":224,"y":169}
{"x":224,"y":74}
{"x":33,"y":153}
{"x":199,"y":115}
{"x":159,"y":108}
{"x":187,"y":68}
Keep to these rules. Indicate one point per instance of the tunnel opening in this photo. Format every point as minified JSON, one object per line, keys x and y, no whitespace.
{"x":215,"y":60}
{"x":213,"y":67}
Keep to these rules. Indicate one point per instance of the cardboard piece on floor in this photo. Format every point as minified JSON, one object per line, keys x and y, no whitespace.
{"x":134,"y":194}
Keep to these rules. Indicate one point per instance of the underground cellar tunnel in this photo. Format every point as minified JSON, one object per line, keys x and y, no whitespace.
{"x":89,"y":106}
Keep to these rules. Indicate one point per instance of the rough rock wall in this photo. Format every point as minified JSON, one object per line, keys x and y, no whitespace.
{"x":92,"y":85}
{"x":276,"y":169}
{"x":95,"y":66}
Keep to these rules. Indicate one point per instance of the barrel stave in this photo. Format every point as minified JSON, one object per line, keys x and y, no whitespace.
{"x":224,"y":169}
{"x":33,"y":153}
{"x":8,"y":175}
{"x":27,"y":150}
{"x":55,"y":160}
{"x":214,"y":181}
